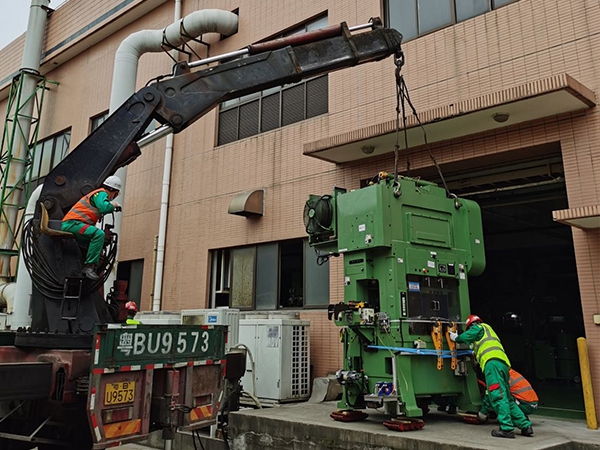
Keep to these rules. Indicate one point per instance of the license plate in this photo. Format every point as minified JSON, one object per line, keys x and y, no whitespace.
{"x":118,"y":393}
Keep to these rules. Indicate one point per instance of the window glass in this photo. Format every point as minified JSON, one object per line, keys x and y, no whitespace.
{"x":465,"y":9}
{"x":269,"y":276}
{"x":291,"y":285}
{"x":403,"y":17}
{"x":98,"y":120}
{"x":433,"y":14}
{"x":242,"y":278}
{"x":132,"y":272}
{"x":221,"y":267}
{"x":499,"y":3}
{"x":62,"y":148}
{"x":315,"y":25}
{"x":37,"y":159}
{"x":316,"y":280}
{"x":46,"y":157}
{"x":416,"y":17}
{"x":267,"y":269}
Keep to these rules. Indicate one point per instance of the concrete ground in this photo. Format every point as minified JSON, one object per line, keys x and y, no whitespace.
{"x":307,"y":426}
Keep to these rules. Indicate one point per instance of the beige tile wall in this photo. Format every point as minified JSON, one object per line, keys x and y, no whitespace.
{"x":520,"y":43}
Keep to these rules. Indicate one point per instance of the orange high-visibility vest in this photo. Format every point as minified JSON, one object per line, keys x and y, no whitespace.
{"x":520,"y":388}
{"x":84,"y":211}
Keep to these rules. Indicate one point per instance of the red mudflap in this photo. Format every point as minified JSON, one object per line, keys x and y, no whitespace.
{"x":348,"y":416}
{"x":404,"y":424}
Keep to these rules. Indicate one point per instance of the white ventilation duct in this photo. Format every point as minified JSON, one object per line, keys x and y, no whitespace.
{"x":124,"y":84}
{"x":23,"y":288}
{"x":7,"y":296}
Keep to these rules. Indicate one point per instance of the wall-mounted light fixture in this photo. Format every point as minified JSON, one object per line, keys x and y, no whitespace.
{"x":367,"y":149}
{"x":501,"y":117}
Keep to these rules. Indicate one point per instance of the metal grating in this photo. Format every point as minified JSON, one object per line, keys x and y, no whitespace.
{"x":270,"y":113}
{"x":249,"y":119}
{"x":317,"y":97}
{"x":300,"y":361}
{"x":228,"y":126}
{"x":292,"y":105}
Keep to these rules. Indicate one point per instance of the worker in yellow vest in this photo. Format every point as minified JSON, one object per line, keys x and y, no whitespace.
{"x":495,"y":365}
{"x":131,"y":308}
{"x":521,"y":390}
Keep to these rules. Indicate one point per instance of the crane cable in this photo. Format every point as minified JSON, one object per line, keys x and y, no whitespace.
{"x":43,"y":273}
{"x":402,"y":98}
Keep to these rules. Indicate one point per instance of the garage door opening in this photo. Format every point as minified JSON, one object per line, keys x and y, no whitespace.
{"x":529,"y":291}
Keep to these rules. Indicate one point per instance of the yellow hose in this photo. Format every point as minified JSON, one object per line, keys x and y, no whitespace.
{"x":586,"y":384}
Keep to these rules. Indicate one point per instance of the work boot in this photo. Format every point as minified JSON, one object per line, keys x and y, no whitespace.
{"x":527,"y":431}
{"x":89,"y":272}
{"x":503,"y":434}
{"x":483,"y":418}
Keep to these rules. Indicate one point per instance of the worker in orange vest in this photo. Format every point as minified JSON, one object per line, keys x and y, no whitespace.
{"x":524,"y":395}
{"x":82,"y":217}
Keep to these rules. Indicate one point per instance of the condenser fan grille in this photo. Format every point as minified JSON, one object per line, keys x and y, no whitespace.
{"x":318,"y":214}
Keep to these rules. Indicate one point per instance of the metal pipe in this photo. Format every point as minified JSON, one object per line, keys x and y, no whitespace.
{"x":34,"y":41}
{"x":126,"y":64}
{"x":164,"y":202}
{"x":20,"y":317}
{"x":7,"y":296}
{"x":246,"y":51}
{"x":155,"y":135}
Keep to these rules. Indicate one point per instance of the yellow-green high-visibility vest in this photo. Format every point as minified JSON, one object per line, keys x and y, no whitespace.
{"x":489,"y":347}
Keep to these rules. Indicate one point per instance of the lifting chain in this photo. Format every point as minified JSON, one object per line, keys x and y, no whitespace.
{"x":400,"y":108}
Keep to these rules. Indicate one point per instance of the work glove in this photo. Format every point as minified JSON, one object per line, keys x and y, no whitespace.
{"x":453,"y":336}
{"x":117,"y":207}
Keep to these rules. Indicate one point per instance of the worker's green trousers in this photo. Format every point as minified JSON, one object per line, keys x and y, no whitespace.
{"x":496,"y":380}
{"x":87,"y":234}
{"x":486,"y":406}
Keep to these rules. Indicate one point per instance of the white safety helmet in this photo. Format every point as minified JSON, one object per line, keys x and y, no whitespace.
{"x":113,"y":182}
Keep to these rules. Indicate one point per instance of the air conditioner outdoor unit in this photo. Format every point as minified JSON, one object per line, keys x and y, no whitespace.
{"x":159,"y":317}
{"x":217,"y":316}
{"x":281,"y":352}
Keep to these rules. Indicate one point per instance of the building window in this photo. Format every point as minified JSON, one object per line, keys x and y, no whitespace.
{"x":414,"y":18}
{"x":276,"y":107}
{"x":269,"y":277}
{"x":132,"y":272}
{"x":95,"y":122}
{"x":46,"y":156}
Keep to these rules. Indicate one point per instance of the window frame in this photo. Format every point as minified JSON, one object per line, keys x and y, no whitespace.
{"x":220,"y":264}
{"x":453,"y":13}
{"x":38,"y":156}
{"x":233,"y":104}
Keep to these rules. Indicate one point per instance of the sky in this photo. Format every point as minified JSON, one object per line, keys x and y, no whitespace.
{"x":14,"y":17}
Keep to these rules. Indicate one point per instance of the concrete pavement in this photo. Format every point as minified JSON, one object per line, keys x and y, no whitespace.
{"x":307,"y":426}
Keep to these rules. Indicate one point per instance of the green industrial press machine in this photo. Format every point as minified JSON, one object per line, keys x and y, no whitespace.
{"x":408,"y":249}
